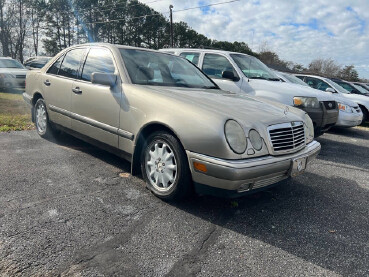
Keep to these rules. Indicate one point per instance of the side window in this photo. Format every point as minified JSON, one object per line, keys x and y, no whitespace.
{"x":55,"y":67}
{"x":191,"y":56}
{"x":300,"y":77}
{"x":70,"y":65}
{"x":313,"y":82}
{"x":214,"y":65}
{"x":322,"y":85}
{"x":346,"y":86}
{"x":98,"y":60}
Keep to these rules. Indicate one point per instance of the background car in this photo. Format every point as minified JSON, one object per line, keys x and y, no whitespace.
{"x":289,"y":78}
{"x":36,"y":62}
{"x":354,"y":111}
{"x":12,"y":74}
{"x":350,"y":87}
{"x":169,"y":120}
{"x":241,"y":73}
{"x":362,"y":85}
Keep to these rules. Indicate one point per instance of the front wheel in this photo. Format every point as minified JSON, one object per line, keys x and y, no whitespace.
{"x":43,"y":125}
{"x":165,"y":167}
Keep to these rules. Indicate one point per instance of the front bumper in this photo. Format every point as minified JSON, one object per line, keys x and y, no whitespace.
{"x":349,"y":119}
{"x":322,"y":118}
{"x":235,"y":177}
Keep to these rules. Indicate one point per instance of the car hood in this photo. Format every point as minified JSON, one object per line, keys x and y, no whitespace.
{"x":247,"y":110}
{"x":291,"y":89}
{"x":360,"y":99}
{"x":15,"y":71}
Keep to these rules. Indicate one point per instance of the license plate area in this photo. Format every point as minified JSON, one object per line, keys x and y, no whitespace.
{"x":298,"y":166}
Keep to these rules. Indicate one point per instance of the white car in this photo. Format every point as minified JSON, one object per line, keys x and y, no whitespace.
{"x":345,"y":117}
{"x":12,"y":73}
{"x":241,"y":73}
{"x":356,"y":111}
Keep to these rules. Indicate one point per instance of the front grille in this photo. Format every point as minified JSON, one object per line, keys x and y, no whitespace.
{"x":287,"y":137}
{"x":330,"y":105}
{"x":20,"y":76}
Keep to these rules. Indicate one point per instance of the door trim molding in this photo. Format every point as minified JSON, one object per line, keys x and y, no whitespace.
{"x":94,"y":123}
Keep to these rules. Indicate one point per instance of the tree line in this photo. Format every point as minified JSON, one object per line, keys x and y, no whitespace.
{"x":45,"y":27}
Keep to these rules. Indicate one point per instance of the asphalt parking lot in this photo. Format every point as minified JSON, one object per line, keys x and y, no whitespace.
{"x":68,"y":208}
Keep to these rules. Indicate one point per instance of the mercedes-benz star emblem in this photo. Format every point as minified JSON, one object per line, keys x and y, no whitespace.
{"x":286,"y":110}
{"x":330,"y":105}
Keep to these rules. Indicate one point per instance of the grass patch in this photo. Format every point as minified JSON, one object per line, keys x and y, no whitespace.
{"x":15,"y":114}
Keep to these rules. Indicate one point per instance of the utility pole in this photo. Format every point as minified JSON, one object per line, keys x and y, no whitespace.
{"x":171,"y":26}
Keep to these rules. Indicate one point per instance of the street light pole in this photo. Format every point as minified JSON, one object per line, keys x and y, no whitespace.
{"x":171,"y":26}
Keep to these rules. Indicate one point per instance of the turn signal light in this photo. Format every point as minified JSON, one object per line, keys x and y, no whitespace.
{"x":200,"y":167}
{"x":297,"y":101}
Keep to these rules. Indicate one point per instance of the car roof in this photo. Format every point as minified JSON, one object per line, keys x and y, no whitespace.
{"x":6,"y":58}
{"x":202,"y":50}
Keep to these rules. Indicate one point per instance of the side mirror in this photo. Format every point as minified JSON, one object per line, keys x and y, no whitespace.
{"x":105,"y":79}
{"x":229,"y":75}
{"x":331,"y":90}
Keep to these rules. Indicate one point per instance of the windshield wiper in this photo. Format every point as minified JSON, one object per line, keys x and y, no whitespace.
{"x":210,"y":87}
{"x":273,"y":79}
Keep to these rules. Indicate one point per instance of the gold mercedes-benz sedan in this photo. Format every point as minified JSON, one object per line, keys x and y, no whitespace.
{"x":170,"y":120}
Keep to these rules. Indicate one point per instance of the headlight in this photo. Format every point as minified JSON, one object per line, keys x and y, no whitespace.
{"x":344,"y":108}
{"x":5,"y":76}
{"x":309,"y":128}
{"x":235,"y":136}
{"x":255,"y":139}
{"x":306,"y":102}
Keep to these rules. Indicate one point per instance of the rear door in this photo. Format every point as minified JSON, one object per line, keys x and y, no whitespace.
{"x":214,"y":66}
{"x":96,"y":107}
{"x":57,"y":86}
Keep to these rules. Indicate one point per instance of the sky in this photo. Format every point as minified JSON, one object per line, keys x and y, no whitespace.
{"x":297,"y":31}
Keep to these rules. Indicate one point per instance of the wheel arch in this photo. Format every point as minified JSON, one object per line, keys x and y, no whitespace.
{"x":142,"y":135}
{"x":37,"y":95}
{"x":365,"y":111}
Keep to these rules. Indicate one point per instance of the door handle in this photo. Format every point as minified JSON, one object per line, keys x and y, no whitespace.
{"x":47,"y":83}
{"x":77,"y":90}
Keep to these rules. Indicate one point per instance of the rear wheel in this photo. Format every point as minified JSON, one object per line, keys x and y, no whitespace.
{"x":165,"y":168}
{"x":43,"y":126}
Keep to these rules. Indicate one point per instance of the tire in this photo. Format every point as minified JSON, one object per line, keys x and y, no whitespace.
{"x":365,"y":115}
{"x":43,"y":126}
{"x":164,"y":167}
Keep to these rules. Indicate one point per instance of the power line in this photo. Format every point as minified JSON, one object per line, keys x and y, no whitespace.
{"x":161,"y":13}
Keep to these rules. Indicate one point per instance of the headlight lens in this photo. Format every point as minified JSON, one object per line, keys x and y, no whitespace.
{"x":255,"y":139}
{"x":309,"y":128}
{"x":235,"y":136}
{"x":306,"y":102}
{"x":344,"y":108}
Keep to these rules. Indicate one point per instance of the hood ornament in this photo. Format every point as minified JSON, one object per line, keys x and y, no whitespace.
{"x":286,"y":110}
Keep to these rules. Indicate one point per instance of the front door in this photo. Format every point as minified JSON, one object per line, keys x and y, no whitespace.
{"x":214,"y":65}
{"x":96,"y":107}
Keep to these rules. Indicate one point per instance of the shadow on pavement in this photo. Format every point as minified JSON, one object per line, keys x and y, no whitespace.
{"x":321,"y":220}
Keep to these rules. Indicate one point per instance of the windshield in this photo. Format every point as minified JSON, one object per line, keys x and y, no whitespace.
{"x":294,"y":79}
{"x":160,"y":69}
{"x":8,"y":63}
{"x":253,"y":68}
{"x":336,"y":86}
